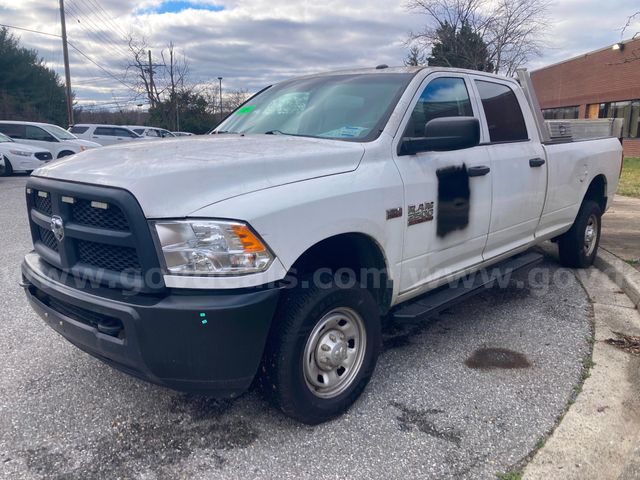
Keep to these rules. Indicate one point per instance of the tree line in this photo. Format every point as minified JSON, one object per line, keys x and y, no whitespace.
{"x":31,"y":91}
{"x":28,"y":89}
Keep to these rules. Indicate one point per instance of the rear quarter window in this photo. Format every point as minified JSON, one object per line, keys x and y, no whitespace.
{"x":502,"y":111}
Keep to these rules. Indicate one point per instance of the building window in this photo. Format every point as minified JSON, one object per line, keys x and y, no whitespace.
{"x":629,"y":111}
{"x":562,"y":113}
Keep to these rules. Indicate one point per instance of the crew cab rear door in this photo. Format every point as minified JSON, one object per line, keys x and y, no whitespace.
{"x":518,"y":165}
{"x":447,"y":193}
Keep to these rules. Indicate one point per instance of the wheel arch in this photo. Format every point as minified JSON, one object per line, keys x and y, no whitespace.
{"x":597,"y":191}
{"x":65,"y":153}
{"x":356,"y":251}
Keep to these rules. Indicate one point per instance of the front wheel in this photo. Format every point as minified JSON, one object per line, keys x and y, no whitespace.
{"x":7,"y":171}
{"x":322,"y":350}
{"x":579,"y":246}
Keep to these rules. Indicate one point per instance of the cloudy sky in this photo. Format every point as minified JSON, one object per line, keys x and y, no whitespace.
{"x":252,"y":43}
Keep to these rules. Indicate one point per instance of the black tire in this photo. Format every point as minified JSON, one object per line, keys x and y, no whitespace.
{"x":298,"y":318}
{"x":574,"y":248}
{"x":8,"y":169}
{"x":64,"y":153}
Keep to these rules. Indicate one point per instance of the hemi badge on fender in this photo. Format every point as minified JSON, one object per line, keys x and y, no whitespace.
{"x":394,"y":213}
{"x":101,"y":205}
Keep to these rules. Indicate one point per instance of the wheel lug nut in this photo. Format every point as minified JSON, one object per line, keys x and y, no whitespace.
{"x":332,"y":337}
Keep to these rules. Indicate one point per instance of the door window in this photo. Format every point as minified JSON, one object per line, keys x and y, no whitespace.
{"x":503,"y":112}
{"x":443,"y":97}
{"x":78,"y":130}
{"x":37,"y":133}
{"x":106,"y":131}
{"x":123,"y":132}
{"x":13,"y":130}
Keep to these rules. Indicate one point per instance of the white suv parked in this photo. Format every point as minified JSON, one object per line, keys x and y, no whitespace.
{"x":151,"y":132}
{"x":46,"y":136}
{"x":105,"y":134}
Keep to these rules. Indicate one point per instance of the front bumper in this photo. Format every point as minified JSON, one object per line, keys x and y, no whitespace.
{"x":207,"y":342}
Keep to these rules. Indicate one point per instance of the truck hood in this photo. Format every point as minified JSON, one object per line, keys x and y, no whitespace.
{"x":174,"y":178}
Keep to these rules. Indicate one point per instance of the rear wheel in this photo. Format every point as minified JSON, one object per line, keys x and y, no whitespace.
{"x":7,"y":171}
{"x":322,"y":351}
{"x":579,"y":246}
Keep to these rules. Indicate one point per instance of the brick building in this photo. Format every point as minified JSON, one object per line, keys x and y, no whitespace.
{"x":600,"y":84}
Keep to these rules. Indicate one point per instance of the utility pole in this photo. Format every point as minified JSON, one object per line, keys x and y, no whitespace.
{"x":151,"y":78}
{"x":67,"y":73}
{"x":220,"y":80}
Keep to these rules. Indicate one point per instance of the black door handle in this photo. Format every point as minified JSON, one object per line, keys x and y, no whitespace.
{"x":536,"y":162}
{"x":478,"y":171}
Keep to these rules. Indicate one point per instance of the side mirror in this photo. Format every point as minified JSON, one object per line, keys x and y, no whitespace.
{"x":444,"y":134}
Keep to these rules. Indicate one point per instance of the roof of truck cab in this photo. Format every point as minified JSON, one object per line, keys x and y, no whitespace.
{"x":413,"y":70}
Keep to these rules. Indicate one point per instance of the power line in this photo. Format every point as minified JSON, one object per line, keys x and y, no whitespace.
{"x":93,"y":29}
{"x":77,"y":50}
{"x":32,"y":31}
{"x":107,"y":18}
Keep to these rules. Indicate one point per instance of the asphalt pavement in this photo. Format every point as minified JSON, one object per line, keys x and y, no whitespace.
{"x":465,"y":395}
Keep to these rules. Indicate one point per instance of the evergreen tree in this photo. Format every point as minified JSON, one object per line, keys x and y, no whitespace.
{"x":28,"y":89}
{"x":460,"y":48}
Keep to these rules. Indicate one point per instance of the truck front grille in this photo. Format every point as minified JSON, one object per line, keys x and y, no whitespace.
{"x":110,"y":218}
{"x":109,"y":257}
{"x":47,"y":238}
{"x":105,"y":237}
{"x":43,"y":202}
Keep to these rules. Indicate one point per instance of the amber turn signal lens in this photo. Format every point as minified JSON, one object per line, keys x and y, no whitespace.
{"x":250,"y":242}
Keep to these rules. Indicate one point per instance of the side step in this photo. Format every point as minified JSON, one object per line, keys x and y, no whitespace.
{"x":444,"y":297}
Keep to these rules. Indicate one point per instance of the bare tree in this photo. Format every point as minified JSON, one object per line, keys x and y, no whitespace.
{"x":513,"y":30}
{"x":633,"y":55}
{"x":515,"y":33}
{"x":162,"y":81}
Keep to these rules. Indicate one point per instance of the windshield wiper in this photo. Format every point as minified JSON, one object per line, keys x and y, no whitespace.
{"x":276,"y":132}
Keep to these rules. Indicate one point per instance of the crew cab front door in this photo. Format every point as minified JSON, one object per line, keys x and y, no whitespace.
{"x":447,"y":193}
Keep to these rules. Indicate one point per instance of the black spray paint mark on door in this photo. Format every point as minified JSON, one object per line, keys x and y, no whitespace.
{"x":453,"y":199}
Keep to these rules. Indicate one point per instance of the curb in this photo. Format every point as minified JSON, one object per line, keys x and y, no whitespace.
{"x":621,"y":273}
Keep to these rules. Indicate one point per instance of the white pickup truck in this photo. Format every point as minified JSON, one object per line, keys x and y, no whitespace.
{"x":274,"y":248}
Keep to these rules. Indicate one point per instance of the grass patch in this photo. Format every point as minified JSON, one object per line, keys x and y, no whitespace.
{"x":630,"y":179}
{"x":515,"y":475}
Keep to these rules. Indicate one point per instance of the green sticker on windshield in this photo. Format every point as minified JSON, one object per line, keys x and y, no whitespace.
{"x":245,"y":110}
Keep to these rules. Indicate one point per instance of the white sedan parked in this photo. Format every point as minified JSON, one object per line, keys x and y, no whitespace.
{"x":20,"y":157}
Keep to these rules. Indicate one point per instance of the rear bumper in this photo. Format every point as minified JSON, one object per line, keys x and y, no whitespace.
{"x":206,"y":342}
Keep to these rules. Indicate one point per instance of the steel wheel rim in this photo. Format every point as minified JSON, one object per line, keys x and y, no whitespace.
{"x":590,"y":235}
{"x":334,"y":352}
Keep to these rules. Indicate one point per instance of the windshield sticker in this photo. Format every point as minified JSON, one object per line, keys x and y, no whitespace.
{"x":345,"y":132}
{"x":245,"y":110}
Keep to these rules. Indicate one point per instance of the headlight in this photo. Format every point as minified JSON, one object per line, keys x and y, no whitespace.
{"x":203,"y":247}
{"x":21,"y":153}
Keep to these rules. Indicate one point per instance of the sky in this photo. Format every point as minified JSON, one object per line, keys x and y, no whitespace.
{"x":254,"y":43}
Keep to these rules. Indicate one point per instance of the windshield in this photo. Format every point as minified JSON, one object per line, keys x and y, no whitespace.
{"x":59,"y":133}
{"x":4,"y":138}
{"x":342,"y":107}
